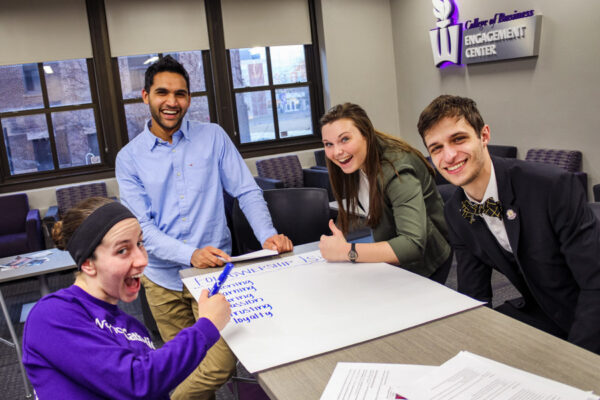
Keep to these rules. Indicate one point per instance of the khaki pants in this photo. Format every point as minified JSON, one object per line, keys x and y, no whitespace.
{"x":174,"y":311}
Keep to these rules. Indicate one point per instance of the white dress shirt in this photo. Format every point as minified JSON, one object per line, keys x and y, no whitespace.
{"x":363,"y":192}
{"x":495,"y":225}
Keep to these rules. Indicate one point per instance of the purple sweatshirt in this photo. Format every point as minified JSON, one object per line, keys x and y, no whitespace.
{"x":76,"y":346}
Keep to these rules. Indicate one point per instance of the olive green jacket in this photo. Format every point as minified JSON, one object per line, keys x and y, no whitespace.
{"x":412,"y":221}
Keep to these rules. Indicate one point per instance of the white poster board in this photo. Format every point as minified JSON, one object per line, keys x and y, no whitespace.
{"x":291,"y":308}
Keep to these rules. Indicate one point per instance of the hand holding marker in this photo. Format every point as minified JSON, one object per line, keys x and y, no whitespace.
{"x":221,"y":279}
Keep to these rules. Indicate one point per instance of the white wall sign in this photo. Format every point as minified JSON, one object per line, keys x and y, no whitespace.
{"x":512,"y":39}
{"x":445,"y":39}
{"x":501,"y":37}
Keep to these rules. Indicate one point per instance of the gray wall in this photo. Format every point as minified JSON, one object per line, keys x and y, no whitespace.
{"x":357,"y":51}
{"x":552,"y":101}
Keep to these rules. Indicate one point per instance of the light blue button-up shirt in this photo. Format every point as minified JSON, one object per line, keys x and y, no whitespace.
{"x":176,"y":191}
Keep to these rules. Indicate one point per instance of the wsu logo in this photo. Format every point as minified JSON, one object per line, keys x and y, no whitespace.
{"x":446,"y":39}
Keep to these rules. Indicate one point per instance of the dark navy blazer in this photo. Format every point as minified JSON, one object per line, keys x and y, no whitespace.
{"x":555,"y":238}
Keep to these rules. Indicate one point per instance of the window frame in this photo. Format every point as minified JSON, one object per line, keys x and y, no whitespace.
{"x":278,"y":142}
{"x":108,"y":106}
{"x":46,"y":110}
{"x":225,"y":97}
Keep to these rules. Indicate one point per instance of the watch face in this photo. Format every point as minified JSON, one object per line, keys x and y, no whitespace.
{"x":352,"y":255}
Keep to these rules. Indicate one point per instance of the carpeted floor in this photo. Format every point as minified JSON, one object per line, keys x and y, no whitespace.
{"x":25,"y":291}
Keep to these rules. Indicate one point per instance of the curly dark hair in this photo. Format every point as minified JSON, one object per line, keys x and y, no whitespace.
{"x":165,"y":64}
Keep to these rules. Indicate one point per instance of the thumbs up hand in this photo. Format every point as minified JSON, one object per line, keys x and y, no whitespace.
{"x":334,"y":247}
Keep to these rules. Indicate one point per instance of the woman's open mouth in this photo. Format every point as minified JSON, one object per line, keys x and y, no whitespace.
{"x":133,"y":281}
{"x":344,"y":161}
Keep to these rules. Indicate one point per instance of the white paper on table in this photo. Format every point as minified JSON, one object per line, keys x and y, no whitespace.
{"x":287,"y":309}
{"x":41,"y":254}
{"x":468,"y":376}
{"x":371,"y":381}
{"x":253,"y":255}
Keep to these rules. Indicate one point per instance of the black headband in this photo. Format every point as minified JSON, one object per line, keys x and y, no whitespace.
{"x":89,"y":234}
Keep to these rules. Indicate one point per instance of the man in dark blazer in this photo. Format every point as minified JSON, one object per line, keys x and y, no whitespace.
{"x":527,"y":220}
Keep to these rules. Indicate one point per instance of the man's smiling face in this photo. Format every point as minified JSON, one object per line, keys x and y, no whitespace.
{"x":458,"y":153}
{"x":169,"y":100}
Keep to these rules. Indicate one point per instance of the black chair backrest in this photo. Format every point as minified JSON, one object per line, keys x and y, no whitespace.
{"x":502,"y":151}
{"x":320,"y":158}
{"x":596,"y":209}
{"x":302,"y":214}
{"x":228,"y":201}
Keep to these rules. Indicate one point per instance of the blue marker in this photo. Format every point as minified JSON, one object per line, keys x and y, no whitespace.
{"x":221,"y":279}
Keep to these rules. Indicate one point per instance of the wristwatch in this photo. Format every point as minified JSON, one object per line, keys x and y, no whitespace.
{"x":352,"y":254}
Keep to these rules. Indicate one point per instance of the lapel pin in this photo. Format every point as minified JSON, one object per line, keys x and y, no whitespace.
{"x":511,"y":214}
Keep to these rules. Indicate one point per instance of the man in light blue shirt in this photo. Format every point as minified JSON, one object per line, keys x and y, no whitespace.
{"x":172,"y":177}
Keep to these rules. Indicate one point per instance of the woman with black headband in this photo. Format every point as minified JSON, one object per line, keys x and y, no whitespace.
{"x":77,"y":344}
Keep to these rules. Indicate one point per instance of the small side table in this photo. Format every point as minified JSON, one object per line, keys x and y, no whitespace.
{"x":57,"y":261}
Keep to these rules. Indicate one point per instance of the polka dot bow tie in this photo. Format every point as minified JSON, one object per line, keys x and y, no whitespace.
{"x":489,"y":207}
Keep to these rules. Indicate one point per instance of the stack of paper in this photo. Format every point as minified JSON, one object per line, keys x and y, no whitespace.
{"x":371,"y":381}
{"x":465,"y":377}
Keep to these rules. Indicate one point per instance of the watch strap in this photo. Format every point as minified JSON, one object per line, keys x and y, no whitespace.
{"x":352,"y":254}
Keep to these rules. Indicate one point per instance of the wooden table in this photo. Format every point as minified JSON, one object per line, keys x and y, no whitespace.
{"x":57,"y":261}
{"x":481,"y":331}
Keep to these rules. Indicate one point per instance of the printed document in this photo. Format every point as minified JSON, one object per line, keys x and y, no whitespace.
{"x":468,"y":376}
{"x":371,"y":381}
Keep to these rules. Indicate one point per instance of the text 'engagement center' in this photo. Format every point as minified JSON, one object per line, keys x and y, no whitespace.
{"x":517,"y":32}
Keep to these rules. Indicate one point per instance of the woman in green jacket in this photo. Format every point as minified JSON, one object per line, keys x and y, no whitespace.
{"x":392,"y":183}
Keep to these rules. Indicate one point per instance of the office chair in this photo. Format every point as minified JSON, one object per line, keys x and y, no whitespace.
{"x":66,"y":198}
{"x":302,"y":214}
{"x":570,"y":160}
{"x":244,"y":388}
{"x":502,"y":151}
{"x":20,"y":227}
{"x":595,"y":209}
{"x":289,"y":171}
{"x":320,"y":159}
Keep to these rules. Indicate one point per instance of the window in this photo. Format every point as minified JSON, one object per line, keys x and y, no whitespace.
{"x":272,"y":94}
{"x":63,"y":122}
{"x":132,"y":70}
{"x":48,"y":117}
